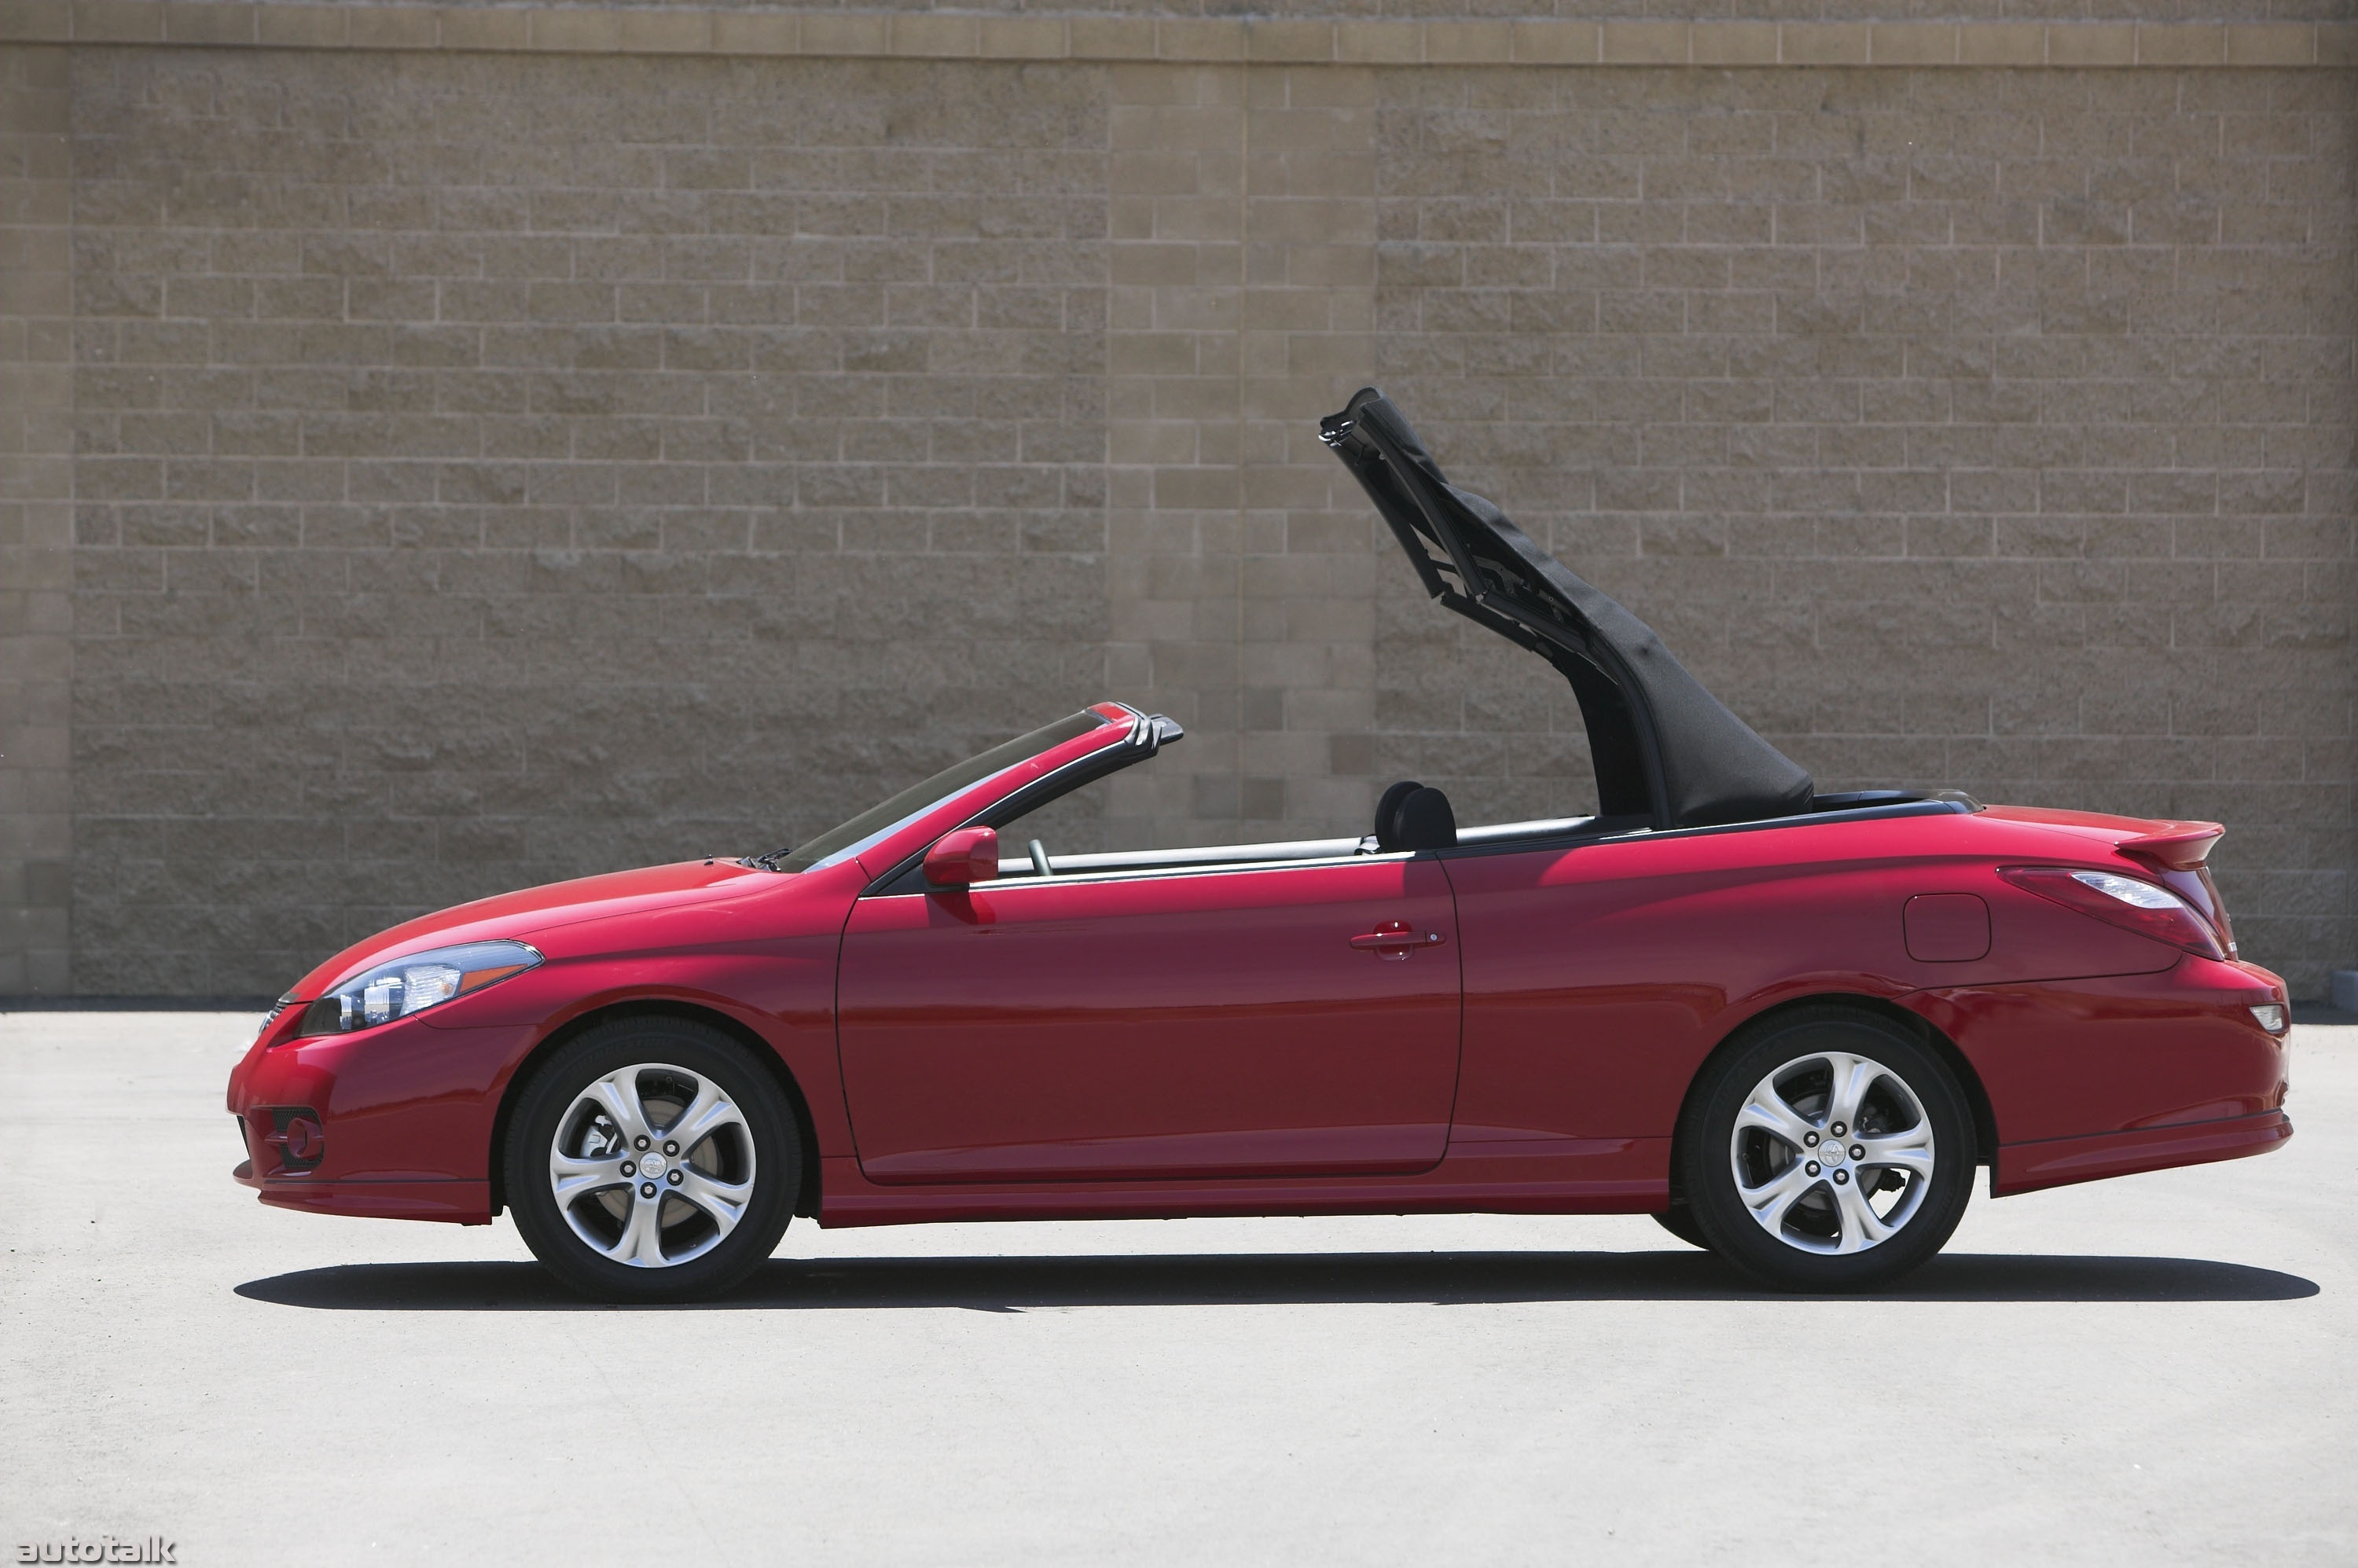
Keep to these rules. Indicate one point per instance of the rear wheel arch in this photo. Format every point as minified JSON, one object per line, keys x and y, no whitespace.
{"x":806,"y":1203}
{"x":1976,"y":1096}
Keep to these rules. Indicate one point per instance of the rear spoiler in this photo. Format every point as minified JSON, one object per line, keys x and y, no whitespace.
{"x":2175,"y":846}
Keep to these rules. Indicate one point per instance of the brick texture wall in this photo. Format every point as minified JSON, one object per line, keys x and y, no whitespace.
{"x":488,"y":469}
{"x":1788,"y":10}
{"x":495,"y":471}
{"x":36,"y":523}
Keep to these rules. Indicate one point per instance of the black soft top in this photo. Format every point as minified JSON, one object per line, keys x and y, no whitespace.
{"x":1666,"y":750}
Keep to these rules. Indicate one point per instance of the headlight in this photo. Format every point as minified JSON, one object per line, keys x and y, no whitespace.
{"x":411,"y":985}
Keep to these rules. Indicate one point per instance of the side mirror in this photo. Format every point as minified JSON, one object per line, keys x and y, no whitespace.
{"x":961,"y":859}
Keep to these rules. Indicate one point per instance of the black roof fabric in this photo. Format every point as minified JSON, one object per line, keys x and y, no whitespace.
{"x":1665,"y":748}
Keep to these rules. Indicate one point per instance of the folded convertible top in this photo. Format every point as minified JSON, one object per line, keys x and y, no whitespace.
{"x":1665,"y":748}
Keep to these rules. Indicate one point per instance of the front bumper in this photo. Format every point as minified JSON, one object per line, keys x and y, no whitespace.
{"x":406,"y":1110}
{"x":458,"y":1202}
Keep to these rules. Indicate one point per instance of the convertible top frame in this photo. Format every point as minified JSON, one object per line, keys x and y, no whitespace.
{"x":1665,"y":748}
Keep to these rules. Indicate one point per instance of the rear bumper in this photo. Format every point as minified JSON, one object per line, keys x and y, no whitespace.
{"x":2057,"y":1162}
{"x":2095,"y":1077}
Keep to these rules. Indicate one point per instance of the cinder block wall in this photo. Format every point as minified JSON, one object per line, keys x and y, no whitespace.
{"x":448,"y":450}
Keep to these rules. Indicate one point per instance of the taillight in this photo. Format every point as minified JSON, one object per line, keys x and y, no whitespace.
{"x":2213,"y":905}
{"x":2130,"y":902}
{"x":2178,"y":853}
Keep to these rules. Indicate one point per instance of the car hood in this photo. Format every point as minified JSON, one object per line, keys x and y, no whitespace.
{"x":522,"y":914}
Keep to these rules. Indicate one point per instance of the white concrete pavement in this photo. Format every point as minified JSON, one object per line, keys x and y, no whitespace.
{"x":2160,"y":1369}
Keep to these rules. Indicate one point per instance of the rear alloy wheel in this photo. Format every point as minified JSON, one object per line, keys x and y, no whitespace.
{"x":1832,"y":1152}
{"x":652,"y":1160}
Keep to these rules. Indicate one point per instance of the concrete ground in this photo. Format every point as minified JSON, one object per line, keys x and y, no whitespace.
{"x":2159,"y":1369}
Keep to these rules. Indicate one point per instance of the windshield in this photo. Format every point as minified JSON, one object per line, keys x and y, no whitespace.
{"x":877,"y":822}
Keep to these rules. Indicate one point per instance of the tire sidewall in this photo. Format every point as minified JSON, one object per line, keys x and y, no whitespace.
{"x":551,"y":1092}
{"x":1680,"y":1221}
{"x":1710,"y":1179}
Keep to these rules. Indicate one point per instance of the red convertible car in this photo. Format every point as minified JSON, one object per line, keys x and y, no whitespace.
{"x":1790,"y":1024}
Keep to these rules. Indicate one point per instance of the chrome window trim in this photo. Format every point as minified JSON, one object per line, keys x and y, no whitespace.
{"x":1205,"y":855}
{"x":1156,"y":874}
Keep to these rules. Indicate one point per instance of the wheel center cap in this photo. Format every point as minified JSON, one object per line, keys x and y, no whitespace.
{"x":1829,"y":1152}
{"x":650,"y":1164}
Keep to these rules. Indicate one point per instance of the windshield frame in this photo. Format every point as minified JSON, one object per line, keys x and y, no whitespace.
{"x":847,"y":840}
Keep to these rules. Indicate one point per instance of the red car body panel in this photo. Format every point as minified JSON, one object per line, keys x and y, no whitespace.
{"x":2110,"y":1073}
{"x":1203,"y":1039}
{"x":1212,"y":1024}
{"x":1618,"y":1175}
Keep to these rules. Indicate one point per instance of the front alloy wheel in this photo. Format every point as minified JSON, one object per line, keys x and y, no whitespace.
{"x":1833,"y":1151}
{"x":651,"y":1166}
{"x":652,"y":1160}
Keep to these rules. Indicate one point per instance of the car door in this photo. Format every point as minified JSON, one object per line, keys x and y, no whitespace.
{"x":1199,"y":1022}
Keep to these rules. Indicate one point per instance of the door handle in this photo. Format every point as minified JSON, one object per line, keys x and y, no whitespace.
{"x":1395,"y":939}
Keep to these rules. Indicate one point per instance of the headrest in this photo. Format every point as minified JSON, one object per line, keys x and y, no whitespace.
{"x":1423,"y":821}
{"x":1388,"y":814}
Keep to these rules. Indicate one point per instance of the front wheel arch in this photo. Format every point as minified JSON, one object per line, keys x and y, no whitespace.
{"x":807,"y":1201}
{"x":1976,"y":1096}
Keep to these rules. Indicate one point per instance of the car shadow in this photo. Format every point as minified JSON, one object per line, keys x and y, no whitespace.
{"x":1271,"y":1279}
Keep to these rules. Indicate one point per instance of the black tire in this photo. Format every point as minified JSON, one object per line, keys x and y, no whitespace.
{"x":1680,"y":1221}
{"x":1797,"y":1056}
{"x":761,"y":1148}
